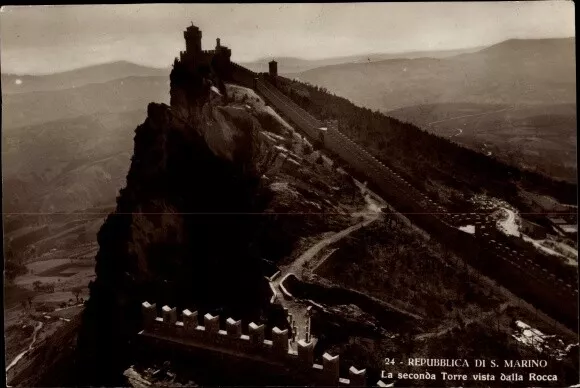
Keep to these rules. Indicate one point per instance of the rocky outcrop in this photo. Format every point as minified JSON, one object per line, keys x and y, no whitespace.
{"x":211,"y":179}
{"x":181,"y":229}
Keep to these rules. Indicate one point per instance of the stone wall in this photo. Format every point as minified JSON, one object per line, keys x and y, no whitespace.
{"x":242,"y":76}
{"x":254,"y":345}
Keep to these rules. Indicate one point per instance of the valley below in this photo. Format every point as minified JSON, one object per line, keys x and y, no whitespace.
{"x":66,"y":145}
{"x":533,"y":137}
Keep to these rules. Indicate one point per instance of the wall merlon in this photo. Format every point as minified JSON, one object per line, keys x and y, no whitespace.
{"x":169,"y":315}
{"x":357,"y":377}
{"x":330,"y":368}
{"x":190,"y":320}
{"x":211,"y":323}
{"x":306,"y":352}
{"x":280,"y":341}
{"x":257,"y":333}
{"x":234,"y":328}
{"x":149,"y":312}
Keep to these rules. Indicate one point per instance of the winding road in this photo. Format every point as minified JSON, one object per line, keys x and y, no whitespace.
{"x":471,"y":115}
{"x":459,"y":132}
{"x":296,"y":268}
{"x":509,"y":225}
{"x":22,"y":354}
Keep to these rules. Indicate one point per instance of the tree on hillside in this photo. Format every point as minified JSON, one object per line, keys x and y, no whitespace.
{"x":77,"y":292}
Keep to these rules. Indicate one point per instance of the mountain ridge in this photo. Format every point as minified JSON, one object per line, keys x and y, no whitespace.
{"x":99,"y":73}
{"x":118,"y":63}
{"x":262,"y":63}
{"x":414,"y":54}
{"x":128,"y":93}
{"x":518,"y":72}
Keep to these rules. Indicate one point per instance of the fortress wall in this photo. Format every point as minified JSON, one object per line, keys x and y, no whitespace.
{"x":242,"y":76}
{"x":335,"y":141}
{"x":299,"y":116}
{"x":211,"y":336}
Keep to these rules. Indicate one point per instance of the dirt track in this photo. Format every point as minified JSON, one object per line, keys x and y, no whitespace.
{"x":304,"y":263}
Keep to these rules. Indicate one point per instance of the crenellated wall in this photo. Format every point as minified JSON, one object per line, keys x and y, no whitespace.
{"x":254,"y":345}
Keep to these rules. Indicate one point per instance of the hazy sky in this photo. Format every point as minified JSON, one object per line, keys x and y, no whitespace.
{"x":45,"y":39}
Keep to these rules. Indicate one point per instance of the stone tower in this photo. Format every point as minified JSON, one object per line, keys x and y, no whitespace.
{"x":273,"y":67}
{"x":192,"y":37}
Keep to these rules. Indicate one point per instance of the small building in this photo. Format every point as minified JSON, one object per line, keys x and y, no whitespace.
{"x":563,"y":226}
{"x":558,"y":221}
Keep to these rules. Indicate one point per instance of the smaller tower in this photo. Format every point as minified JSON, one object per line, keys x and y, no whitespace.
{"x":217,"y":44}
{"x":273,"y":67}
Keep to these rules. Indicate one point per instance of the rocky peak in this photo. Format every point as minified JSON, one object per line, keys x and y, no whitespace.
{"x":209,"y":177}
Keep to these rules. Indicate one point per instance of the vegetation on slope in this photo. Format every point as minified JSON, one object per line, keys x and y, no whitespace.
{"x":538,"y":138}
{"x":392,"y":263}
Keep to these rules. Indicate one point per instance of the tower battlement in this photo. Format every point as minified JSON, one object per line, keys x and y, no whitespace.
{"x":189,"y":332}
{"x":194,"y":56}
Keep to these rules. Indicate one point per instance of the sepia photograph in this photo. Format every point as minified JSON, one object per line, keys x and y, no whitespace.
{"x":290,"y":194}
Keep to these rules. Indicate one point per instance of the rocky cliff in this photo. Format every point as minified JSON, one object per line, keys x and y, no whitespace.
{"x":217,"y":184}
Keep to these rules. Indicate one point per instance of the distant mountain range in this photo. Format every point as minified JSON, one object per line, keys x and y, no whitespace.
{"x":515,"y":100}
{"x":289,"y":65}
{"x":515,"y":71}
{"x":14,"y":83}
